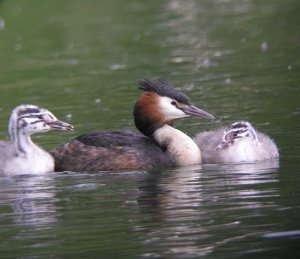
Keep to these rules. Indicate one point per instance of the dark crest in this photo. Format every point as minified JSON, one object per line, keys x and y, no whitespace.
{"x":164,"y":88}
{"x":28,"y":111}
{"x":238,"y":125}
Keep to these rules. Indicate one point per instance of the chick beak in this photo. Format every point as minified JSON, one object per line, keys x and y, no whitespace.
{"x":226,"y":141}
{"x":195,"y":111}
{"x":223,"y":145}
{"x":60,"y":125}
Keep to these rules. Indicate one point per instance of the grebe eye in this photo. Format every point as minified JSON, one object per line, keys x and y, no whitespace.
{"x":174,"y":103}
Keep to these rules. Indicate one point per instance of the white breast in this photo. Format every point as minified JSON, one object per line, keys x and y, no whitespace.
{"x":36,"y":161}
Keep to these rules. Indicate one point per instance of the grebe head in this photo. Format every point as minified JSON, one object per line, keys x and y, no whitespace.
{"x":160,"y":104}
{"x":29,"y":119}
{"x":237,"y":132}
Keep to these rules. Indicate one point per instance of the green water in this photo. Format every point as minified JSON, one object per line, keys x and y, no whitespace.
{"x":82,"y":60}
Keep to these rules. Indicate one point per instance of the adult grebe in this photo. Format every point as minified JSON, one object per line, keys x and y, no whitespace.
{"x":240,"y":142}
{"x":21,"y":155}
{"x":160,"y":145}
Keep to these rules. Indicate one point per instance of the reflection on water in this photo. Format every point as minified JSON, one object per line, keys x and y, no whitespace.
{"x":207,"y":210}
{"x":31,"y":199}
{"x":175,"y":207}
{"x":28,"y":210}
{"x":191,"y":208}
{"x":82,"y":59}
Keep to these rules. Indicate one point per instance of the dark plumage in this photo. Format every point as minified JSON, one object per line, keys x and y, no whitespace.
{"x":114,"y":150}
{"x":163,"y":87}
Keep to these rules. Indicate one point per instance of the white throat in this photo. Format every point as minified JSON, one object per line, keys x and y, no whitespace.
{"x":180,"y":147}
{"x":23,"y":143}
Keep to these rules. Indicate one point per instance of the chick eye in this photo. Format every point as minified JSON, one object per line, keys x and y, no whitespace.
{"x":174,"y":103}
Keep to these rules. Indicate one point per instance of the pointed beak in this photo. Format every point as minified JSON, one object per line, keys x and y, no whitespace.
{"x":223,"y":145}
{"x":227,"y":140}
{"x":60,"y":125}
{"x":194,"y":111}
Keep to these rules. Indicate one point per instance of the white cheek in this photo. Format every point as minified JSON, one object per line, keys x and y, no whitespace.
{"x":170,"y":111}
{"x":39,"y":127}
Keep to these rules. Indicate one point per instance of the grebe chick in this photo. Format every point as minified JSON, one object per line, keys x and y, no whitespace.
{"x":240,"y":142}
{"x":21,"y":155}
{"x":159,"y":146}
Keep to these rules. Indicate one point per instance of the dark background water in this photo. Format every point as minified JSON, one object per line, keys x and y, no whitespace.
{"x":82,"y":59}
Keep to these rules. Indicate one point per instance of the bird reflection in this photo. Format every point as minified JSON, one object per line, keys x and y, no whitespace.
{"x":186,"y":208}
{"x":31,"y":199}
{"x":173,"y":200}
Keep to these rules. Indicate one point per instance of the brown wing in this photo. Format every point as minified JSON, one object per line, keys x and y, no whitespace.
{"x":114,"y":150}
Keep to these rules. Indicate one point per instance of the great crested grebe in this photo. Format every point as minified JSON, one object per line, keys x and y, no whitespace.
{"x":240,"y":142}
{"x":21,"y":155}
{"x":160,"y":145}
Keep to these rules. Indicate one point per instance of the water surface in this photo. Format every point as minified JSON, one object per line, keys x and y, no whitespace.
{"x":82,"y":59}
